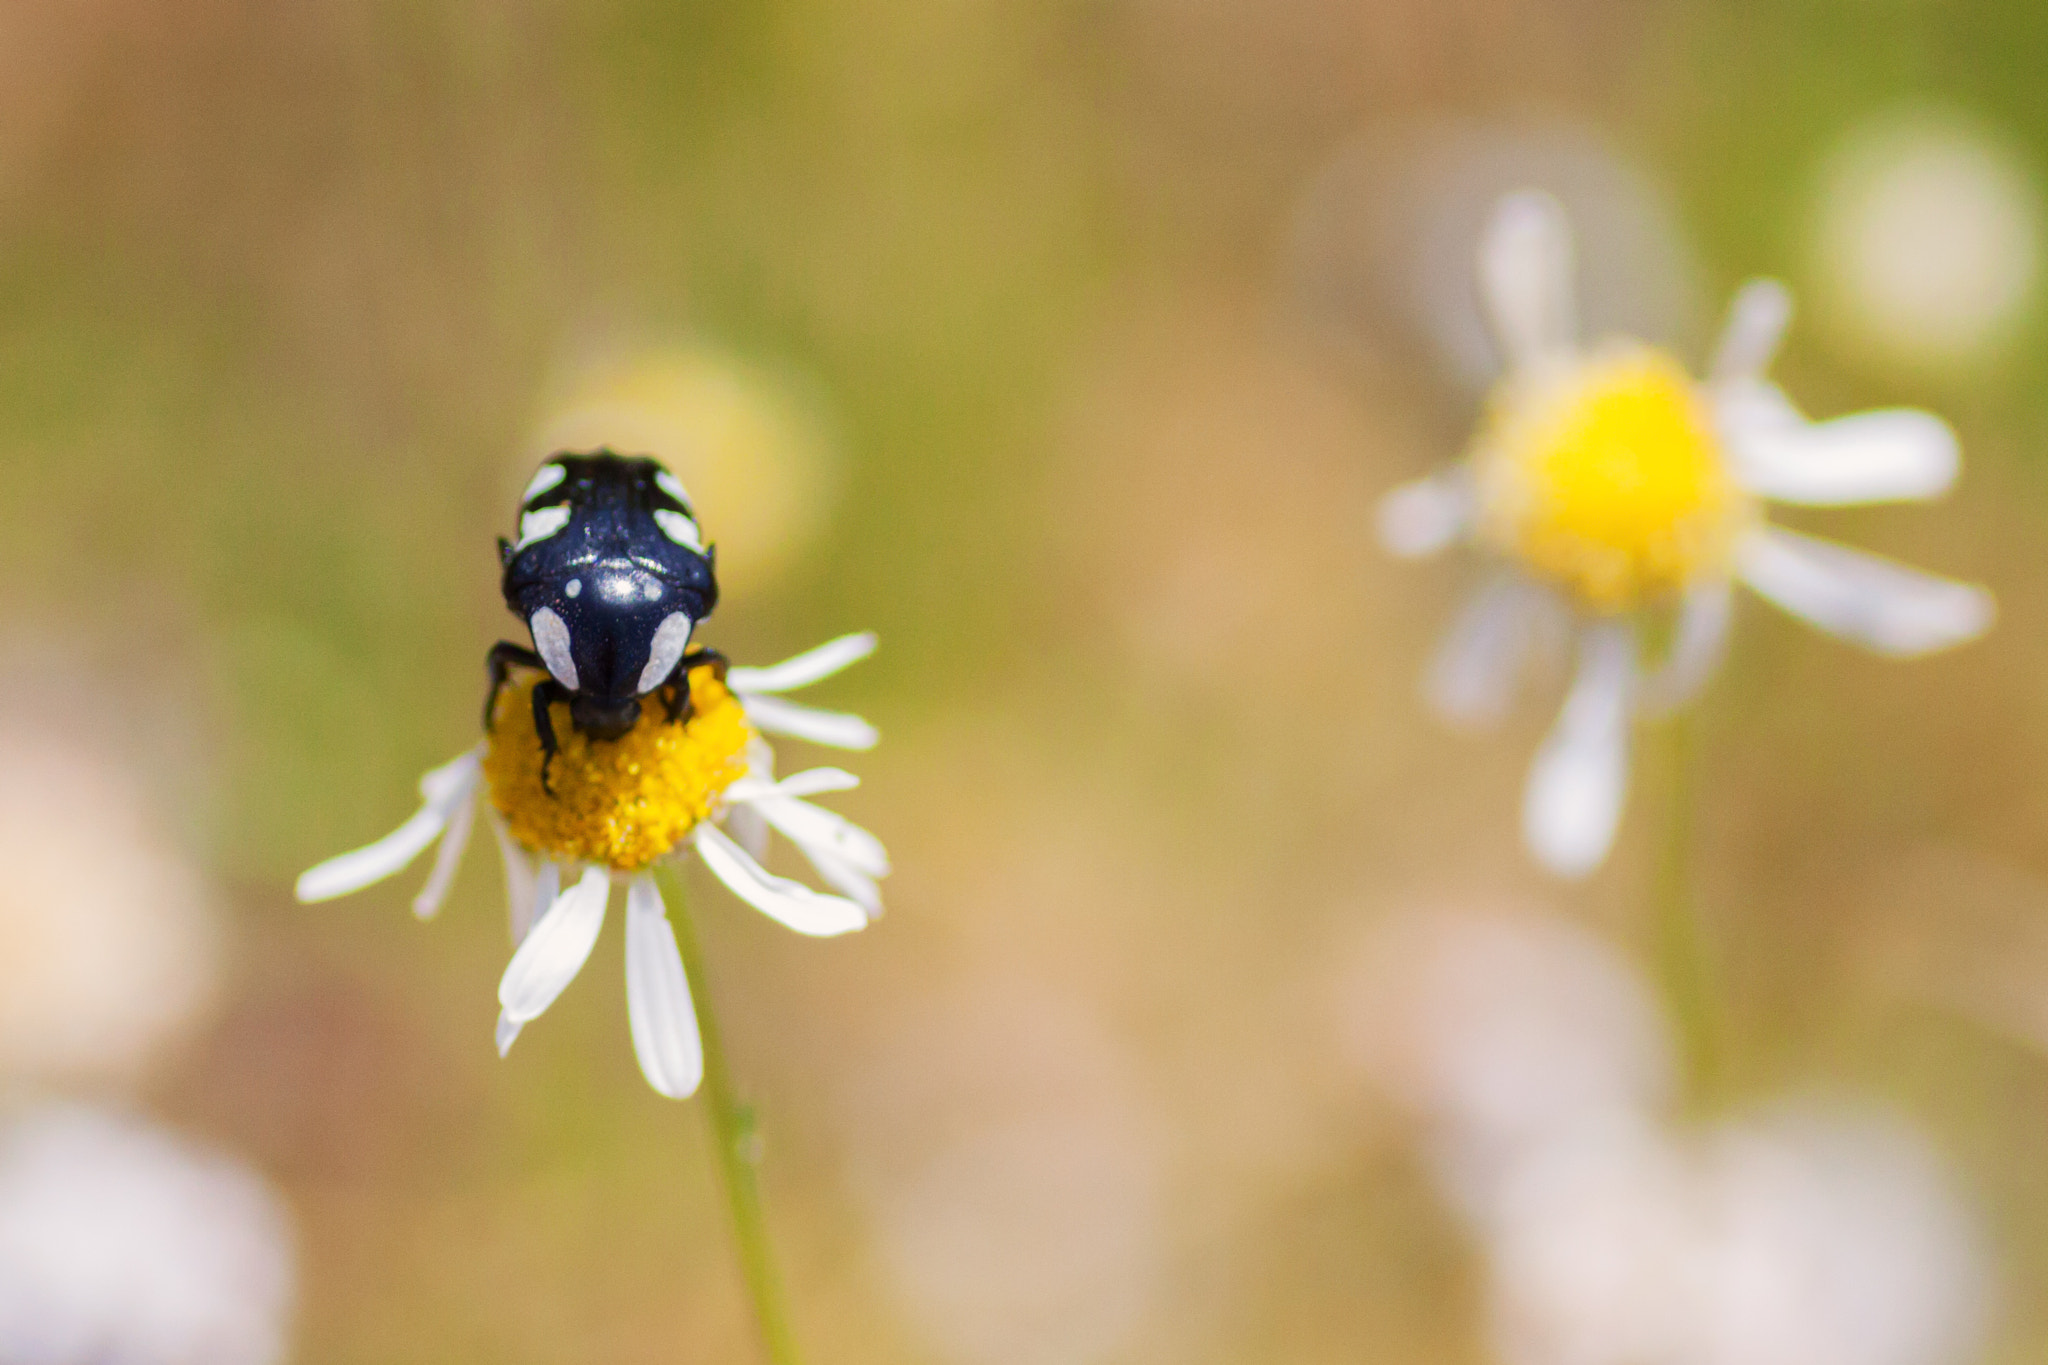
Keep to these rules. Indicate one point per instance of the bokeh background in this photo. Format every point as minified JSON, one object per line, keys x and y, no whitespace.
{"x":1068,"y":345}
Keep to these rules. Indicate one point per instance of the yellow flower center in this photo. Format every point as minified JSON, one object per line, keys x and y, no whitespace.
{"x":1608,"y":480}
{"x":621,"y":803}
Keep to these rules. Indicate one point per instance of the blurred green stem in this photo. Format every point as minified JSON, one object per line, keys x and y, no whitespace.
{"x":1684,"y":962}
{"x":739,"y":1148}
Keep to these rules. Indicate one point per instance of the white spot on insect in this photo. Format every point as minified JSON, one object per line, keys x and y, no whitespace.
{"x":671,"y":485}
{"x":671,"y":638}
{"x":680,"y":529}
{"x":551,"y":638}
{"x":544,"y":478}
{"x":574,"y":588}
{"x":541,"y":523}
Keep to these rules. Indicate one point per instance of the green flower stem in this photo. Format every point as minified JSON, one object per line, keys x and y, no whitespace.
{"x":739,"y":1148}
{"x":1684,"y":962}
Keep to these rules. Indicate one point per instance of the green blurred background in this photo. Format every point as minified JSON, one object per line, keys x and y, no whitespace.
{"x":1021,"y":362}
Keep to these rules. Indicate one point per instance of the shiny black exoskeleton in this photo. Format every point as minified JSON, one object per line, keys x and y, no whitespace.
{"x":610,"y":574}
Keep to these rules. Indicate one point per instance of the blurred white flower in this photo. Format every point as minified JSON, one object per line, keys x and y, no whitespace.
{"x":1613,"y":1235}
{"x":1927,"y":240}
{"x":1014,"y":1180}
{"x":1503,"y":1029}
{"x":123,"y":1245}
{"x":108,"y":944}
{"x":755,"y":452}
{"x":1835,"y":1237}
{"x":1607,"y":485}
{"x":1590,"y":1237}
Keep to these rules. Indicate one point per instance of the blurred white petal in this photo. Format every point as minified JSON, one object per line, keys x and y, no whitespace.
{"x":444,"y":788}
{"x":748,"y":829}
{"x":1525,"y":277}
{"x":809,"y":782}
{"x":658,"y":996}
{"x":811,"y":666}
{"x":809,"y":825}
{"x":1757,"y":320}
{"x":849,"y":881}
{"x":1875,"y":602}
{"x":556,"y":949}
{"x":1473,"y":676}
{"x":1573,"y":801}
{"x":522,"y":882}
{"x":1697,"y":645}
{"x":1426,"y":515}
{"x":791,"y":904}
{"x":447,"y":859}
{"x":834,"y":729}
{"x":1895,"y":455}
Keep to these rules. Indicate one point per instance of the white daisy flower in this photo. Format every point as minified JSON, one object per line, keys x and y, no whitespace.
{"x":1611,"y":487}
{"x":611,"y":809}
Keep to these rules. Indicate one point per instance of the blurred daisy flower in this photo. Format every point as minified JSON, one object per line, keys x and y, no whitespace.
{"x":601,"y":811}
{"x":1613,"y":491}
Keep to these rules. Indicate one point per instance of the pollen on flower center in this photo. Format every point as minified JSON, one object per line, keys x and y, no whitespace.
{"x":620,"y":803}
{"x":1609,"y":480}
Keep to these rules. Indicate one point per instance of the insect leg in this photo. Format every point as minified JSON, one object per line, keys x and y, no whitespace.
{"x":676,"y":697}
{"x":545,"y":694}
{"x":502,"y":657}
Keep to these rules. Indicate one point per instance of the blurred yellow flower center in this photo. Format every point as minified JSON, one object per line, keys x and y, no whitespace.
{"x":1609,"y":480}
{"x":621,"y":803}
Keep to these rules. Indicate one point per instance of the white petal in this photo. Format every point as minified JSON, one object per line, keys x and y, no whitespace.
{"x":1696,"y":647}
{"x":521,"y":883}
{"x":452,"y":781}
{"x":1756,"y":324}
{"x":805,"y":824}
{"x":1573,"y":802}
{"x":1473,"y":677}
{"x":1525,"y":277}
{"x":444,"y":788}
{"x":848,"y":881}
{"x":1425,"y":515}
{"x":658,"y":996}
{"x":1895,"y":455}
{"x":806,"y":668}
{"x":788,"y":903}
{"x":507,"y":1032}
{"x":748,"y":829}
{"x":454,"y":839}
{"x":834,"y":729}
{"x":547,"y":886}
{"x":809,"y":782}
{"x":556,"y":948}
{"x":1875,"y":602}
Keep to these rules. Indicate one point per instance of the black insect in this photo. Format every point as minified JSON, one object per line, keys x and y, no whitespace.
{"x":611,"y":574}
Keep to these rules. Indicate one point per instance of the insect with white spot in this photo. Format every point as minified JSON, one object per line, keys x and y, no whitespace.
{"x":611,"y":574}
